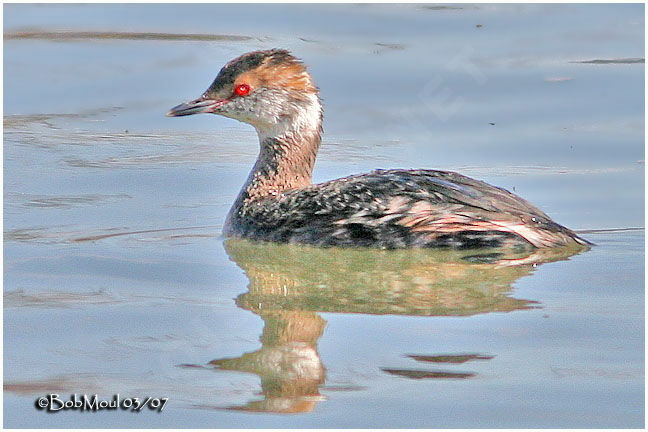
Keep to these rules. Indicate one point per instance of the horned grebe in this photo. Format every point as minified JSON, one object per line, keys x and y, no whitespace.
{"x":272,"y":91}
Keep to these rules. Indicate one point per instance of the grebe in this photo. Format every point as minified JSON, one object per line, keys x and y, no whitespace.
{"x":272,"y":91}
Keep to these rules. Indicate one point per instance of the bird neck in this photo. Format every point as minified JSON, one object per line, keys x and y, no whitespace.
{"x":286,"y":159}
{"x":288,"y":150}
{"x":284,"y":162}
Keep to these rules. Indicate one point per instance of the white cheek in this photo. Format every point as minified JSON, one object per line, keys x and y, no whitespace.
{"x":286,"y":117}
{"x":307,"y":115}
{"x":271,"y":119}
{"x":241,"y":110}
{"x":273,"y":113}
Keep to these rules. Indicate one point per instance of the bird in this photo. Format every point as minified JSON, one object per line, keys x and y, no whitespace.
{"x":273,"y":91}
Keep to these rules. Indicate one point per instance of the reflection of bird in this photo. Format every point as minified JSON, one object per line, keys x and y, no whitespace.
{"x":288,"y":363}
{"x":290,"y":284}
{"x":402,"y":282}
{"x":272,"y":91}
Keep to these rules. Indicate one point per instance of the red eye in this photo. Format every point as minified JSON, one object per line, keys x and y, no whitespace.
{"x":242,"y":89}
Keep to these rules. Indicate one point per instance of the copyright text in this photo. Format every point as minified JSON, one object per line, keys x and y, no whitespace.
{"x":54,"y":403}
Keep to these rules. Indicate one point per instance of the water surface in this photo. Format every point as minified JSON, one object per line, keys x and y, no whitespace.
{"x":117,"y":279}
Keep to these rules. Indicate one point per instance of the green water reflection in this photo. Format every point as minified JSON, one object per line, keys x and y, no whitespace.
{"x":289,"y":286}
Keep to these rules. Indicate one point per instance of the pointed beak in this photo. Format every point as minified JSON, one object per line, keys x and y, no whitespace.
{"x":200,"y":105}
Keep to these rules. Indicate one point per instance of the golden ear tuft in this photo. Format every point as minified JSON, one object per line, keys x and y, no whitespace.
{"x":288,"y":75}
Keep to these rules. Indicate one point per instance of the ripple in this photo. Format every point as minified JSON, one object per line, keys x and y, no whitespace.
{"x":18,"y":298}
{"x":63,"y":201}
{"x":423,"y":374}
{"x":612,"y":61}
{"x":50,"y":235}
{"x":79,"y":35}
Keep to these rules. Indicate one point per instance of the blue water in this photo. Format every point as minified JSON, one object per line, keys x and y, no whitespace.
{"x":117,"y":280}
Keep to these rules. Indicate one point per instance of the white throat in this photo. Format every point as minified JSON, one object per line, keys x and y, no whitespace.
{"x":300,"y":120}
